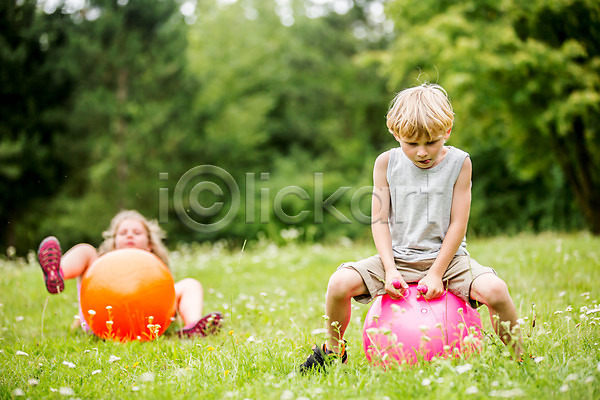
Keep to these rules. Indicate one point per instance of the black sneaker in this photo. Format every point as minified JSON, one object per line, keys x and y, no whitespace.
{"x":321,"y":357}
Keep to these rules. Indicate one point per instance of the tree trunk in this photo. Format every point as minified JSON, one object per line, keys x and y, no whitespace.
{"x":579,"y":169}
{"x":120,"y":135}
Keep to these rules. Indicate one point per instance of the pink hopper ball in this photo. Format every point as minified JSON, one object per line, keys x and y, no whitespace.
{"x":413,"y":328}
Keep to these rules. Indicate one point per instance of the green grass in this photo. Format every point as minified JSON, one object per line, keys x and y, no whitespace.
{"x":273,"y":298}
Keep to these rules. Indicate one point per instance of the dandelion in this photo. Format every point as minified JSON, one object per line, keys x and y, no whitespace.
{"x":472,"y":390}
{"x":461,"y":369}
{"x":226,"y":372}
{"x":210,"y":348}
{"x":21,"y":353}
{"x":231,"y":332}
{"x":564,"y":388}
{"x":571,"y":377}
{"x":509,"y":394}
{"x":147,"y":377}
{"x":66,"y":391}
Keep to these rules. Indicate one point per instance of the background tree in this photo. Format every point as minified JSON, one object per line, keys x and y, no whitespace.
{"x":524,"y":81}
{"x":127,"y":112}
{"x":36,"y":89}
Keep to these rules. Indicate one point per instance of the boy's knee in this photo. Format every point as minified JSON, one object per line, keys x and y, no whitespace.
{"x":494,"y":291}
{"x":344,"y":282}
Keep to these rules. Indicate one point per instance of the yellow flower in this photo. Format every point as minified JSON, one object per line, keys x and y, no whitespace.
{"x":226,"y":372}
{"x":210,"y":348}
{"x":231,"y":332}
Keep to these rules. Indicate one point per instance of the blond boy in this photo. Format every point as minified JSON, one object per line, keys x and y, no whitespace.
{"x":420,"y":210}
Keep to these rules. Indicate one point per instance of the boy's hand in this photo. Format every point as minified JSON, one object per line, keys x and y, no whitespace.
{"x":401,"y":286}
{"x":435,"y":287}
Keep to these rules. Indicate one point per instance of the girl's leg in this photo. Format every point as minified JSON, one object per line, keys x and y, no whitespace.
{"x":77,"y":260}
{"x":492,"y":291}
{"x":344,"y":284}
{"x":189,"y":300}
{"x":56,"y":268}
{"x":73,"y":265}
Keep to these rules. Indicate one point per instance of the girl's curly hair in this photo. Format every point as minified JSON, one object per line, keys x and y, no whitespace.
{"x":155,"y":234}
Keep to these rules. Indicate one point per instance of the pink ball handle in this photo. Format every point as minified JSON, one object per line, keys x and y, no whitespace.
{"x":422,"y":289}
{"x":396,"y":284}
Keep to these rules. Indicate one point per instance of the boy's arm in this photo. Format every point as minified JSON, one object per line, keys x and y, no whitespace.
{"x":380,"y":211}
{"x":459,"y":218}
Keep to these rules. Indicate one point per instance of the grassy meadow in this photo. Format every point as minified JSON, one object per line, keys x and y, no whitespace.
{"x":273,"y":300}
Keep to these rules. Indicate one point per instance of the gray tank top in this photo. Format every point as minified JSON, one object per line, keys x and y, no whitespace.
{"x":421,"y":204}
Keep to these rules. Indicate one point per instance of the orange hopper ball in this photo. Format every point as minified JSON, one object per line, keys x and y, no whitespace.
{"x":128,"y":294}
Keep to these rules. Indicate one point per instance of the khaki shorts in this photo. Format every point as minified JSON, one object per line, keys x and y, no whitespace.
{"x":458,"y":278}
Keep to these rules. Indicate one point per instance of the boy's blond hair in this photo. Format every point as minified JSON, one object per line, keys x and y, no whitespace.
{"x":155,"y":234}
{"x":420,"y":111}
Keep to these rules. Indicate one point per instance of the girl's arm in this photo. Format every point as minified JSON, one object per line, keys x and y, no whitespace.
{"x":380,"y":211}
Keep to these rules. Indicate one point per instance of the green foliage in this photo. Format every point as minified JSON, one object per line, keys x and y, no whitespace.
{"x":266,"y":112}
{"x":35,"y":93}
{"x":109,"y":106}
{"x":523,"y":75}
{"x":270,"y":326}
